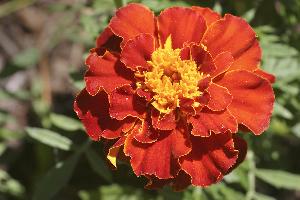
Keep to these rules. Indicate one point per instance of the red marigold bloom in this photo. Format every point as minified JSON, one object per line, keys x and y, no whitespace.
{"x":170,"y":91}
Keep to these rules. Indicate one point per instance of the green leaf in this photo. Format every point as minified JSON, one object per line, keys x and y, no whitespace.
{"x":65,"y":123}
{"x":296,"y":130}
{"x":58,"y":176}
{"x":27,"y":58}
{"x":279,"y":179}
{"x":249,"y":15}
{"x":258,"y":196}
{"x":98,"y":165}
{"x":282,"y":111}
{"x":50,"y":138}
{"x":56,"y":179}
{"x":10,"y":185}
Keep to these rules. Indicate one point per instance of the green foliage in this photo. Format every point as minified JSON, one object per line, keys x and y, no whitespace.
{"x":279,"y":179}
{"x":65,"y":123}
{"x":57,"y":177}
{"x":50,"y":138}
{"x":98,"y":165}
{"x":39,"y":157}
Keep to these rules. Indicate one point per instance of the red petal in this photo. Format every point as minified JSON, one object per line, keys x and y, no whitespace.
{"x":204,"y":83}
{"x":105,"y":72}
{"x":181,"y":181}
{"x":114,"y":151}
{"x":124,"y":103}
{"x":209,"y":15}
{"x":144,"y":132}
{"x":202,"y":57}
{"x":271,"y":78}
{"x":218,"y":122}
{"x":131,"y":21}
{"x":163,"y":121}
{"x":138,"y":51}
{"x":145,"y":94}
{"x":220,"y":97}
{"x":186,"y":105}
{"x":223,"y":61}
{"x":93,"y":112}
{"x":235,"y":35}
{"x":127,"y":125}
{"x":155,"y":183}
{"x":240,"y":145}
{"x":183,"y":24}
{"x":109,"y":41}
{"x":210,"y":159}
{"x":145,"y":159}
{"x":253,"y":99}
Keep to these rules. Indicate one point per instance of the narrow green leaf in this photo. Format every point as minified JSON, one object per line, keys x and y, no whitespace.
{"x":279,"y":179}
{"x":296,"y":129}
{"x":56,"y":179}
{"x":282,"y":111}
{"x":98,"y":165}
{"x":58,"y":176}
{"x":258,"y":196}
{"x":50,"y":138}
{"x":65,"y":123}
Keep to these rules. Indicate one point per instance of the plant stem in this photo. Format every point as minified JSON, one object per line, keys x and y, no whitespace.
{"x":251,"y":176}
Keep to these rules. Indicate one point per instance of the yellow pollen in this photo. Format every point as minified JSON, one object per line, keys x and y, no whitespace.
{"x":171,"y":78}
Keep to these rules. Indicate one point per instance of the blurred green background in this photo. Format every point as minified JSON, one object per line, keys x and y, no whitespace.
{"x":44,"y":151}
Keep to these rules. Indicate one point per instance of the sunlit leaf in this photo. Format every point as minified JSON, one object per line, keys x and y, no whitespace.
{"x":50,"y":138}
{"x":279,"y":179}
{"x":296,"y":129}
{"x":10,"y":185}
{"x":65,"y":123}
{"x":282,"y":111}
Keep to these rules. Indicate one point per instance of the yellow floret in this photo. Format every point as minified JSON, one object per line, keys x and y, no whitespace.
{"x":171,"y":78}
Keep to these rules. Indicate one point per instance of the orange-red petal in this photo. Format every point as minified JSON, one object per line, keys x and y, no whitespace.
{"x":124,"y":102}
{"x":253,"y":99}
{"x":105,"y":72}
{"x":220,"y":97}
{"x":163,"y":121}
{"x":93,"y":113}
{"x":241,"y":145}
{"x":223,"y":61}
{"x":209,"y":15}
{"x":138,"y":51}
{"x":107,"y":40}
{"x":143,"y":132}
{"x":183,"y":24}
{"x":271,"y":78}
{"x":132,"y":20}
{"x":144,"y":156}
{"x":235,"y":35}
{"x":217,"y":121}
{"x":210,"y":159}
{"x":202,"y":57}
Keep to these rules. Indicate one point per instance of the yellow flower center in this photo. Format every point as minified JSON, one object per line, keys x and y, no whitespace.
{"x":171,"y":78}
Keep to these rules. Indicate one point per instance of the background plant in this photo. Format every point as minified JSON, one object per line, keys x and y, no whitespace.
{"x":44,"y":151}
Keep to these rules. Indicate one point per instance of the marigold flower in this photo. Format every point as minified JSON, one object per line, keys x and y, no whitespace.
{"x":170,"y":91}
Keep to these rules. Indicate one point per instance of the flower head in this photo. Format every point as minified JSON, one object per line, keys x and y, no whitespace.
{"x":171,"y":90}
